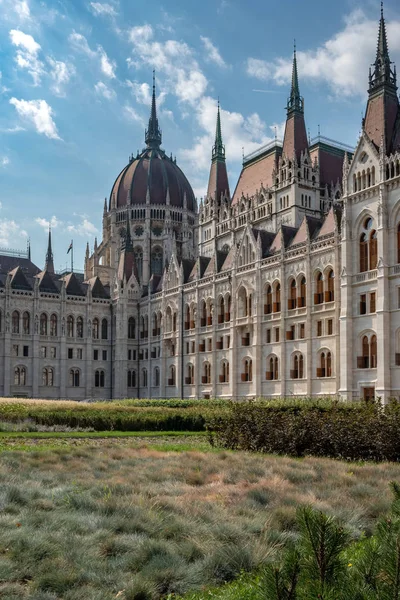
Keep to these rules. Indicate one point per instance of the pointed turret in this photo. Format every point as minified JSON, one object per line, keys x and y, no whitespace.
{"x":127,"y":263}
{"x":218,"y":183}
{"x":49,"y":266}
{"x":153,"y":136}
{"x":383,"y":104}
{"x":295,"y":140}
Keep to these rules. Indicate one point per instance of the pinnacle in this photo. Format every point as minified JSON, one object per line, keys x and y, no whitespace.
{"x":295,"y":101}
{"x":153,"y":136}
{"x":219,"y":148}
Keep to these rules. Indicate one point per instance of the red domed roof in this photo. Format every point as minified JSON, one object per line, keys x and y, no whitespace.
{"x":153,"y":172}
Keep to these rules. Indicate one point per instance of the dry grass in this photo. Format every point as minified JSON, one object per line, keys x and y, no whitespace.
{"x":92,"y":521}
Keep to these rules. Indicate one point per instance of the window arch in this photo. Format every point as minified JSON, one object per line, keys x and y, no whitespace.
{"x":206,"y":378}
{"x":144,"y":377}
{"x":157,"y":261}
{"x":292,"y":300}
{"x":224,"y":374}
{"x":247,"y":374}
{"x":373,"y":250}
{"x":297,"y":371}
{"x":172,"y":375}
{"x":319,"y":289}
{"x":26,"y":323}
{"x":95,"y":329}
{"x":53,"y":325}
{"x":268,"y":300}
{"x":156,"y":377}
{"x":104,"y":329}
{"x":276,"y":306}
{"x":398,"y":243}
{"x":43,"y":324}
{"x":70,"y":326}
{"x":368,"y":246}
{"x":99,"y":378}
{"x":330,"y":286}
{"x":325,"y":364}
{"x":131,"y":328}
{"x":272,"y":373}
{"x":302,"y":298}
{"x":79,"y":327}
{"x":20,"y":376}
{"x":15,"y":322}
{"x":74,"y":377}
{"x":221,"y":309}
{"x":189,"y":379}
{"x":138,"y":252}
{"x":48,"y":377}
{"x":131,"y":378}
{"x":242,"y":302}
{"x":369,"y":352}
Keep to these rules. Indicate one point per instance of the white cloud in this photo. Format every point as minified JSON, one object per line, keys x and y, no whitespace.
{"x":103,"y":90}
{"x":3,"y":89}
{"x":132,"y":115}
{"x":143,"y":93}
{"x":21,"y":7}
{"x":342,"y":62}
{"x":60,"y":74}
{"x":27,"y":54}
{"x":15,"y":129}
{"x":10,"y":231}
{"x":212,"y":53}
{"x":80,"y":43}
{"x":4,"y":161}
{"x":39,"y":114}
{"x":53,"y":222}
{"x":84,"y":228}
{"x":174,"y":59}
{"x":99,"y":8}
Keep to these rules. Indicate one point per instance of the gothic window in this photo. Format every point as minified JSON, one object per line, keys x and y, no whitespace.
{"x":104,"y":329}
{"x":363,"y":253}
{"x":247,"y":374}
{"x":70,"y":326}
{"x":138,"y":252}
{"x":368,"y":247}
{"x":187,"y":317}
{"x":131,"y":379}
{"x":26,"y":323}
{"x":189,"y":379}
{"x":272,"y":369}
{"x":297,"y":371}
{"x":330,"y":292}
{"x":19,"y":376}
{"x":203,"y":313}
{"x":221,"y":310}
{"x":53,"y":325}
{"x":373,"y":250}
{"x":131,"y":328}
{"x":242,"y":302}
{"x":224,"y":376}
{"x":325,"y":365}
{"x":144,"y":377}
{"x":374,"y":351}
{"x":301,"y":300}
{"x":292,"y":295}
{"x":43,"y":324}
{"x":95,"y":329}
{"x":156,"y":377}
{"x":398,"y":243}
{"x":99,"y":378}
{"x":319,"y":287}
{"x":157,"y":261}
{"x":15,"y":322}
{"x":172,"y":375}
{"x":48,"y":377}
{"x":268,"y":300}
{"x":276,"y":307}
{"x":79,"y":327}
{"x":74,"y":377}
{"x":206,"y":378}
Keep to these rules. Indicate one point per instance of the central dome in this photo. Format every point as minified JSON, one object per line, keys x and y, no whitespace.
{"x":153,"y":173}
{"x":152,"y":176}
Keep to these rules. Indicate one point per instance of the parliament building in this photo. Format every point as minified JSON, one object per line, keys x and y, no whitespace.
{"x":286,"y":285}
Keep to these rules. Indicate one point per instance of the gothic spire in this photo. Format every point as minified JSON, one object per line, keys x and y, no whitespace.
{"x":295,"y":101}
{"x":218,"y":152}
{"x":49,"y":266}
{"x":153,"y":135}
{"x":382,"y":73}
{"x":127,"y":243}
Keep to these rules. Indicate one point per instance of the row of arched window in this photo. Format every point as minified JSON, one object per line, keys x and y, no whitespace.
{"x":49,"y":325}
{"x":297,"y":292}
{"x":48,"y":377}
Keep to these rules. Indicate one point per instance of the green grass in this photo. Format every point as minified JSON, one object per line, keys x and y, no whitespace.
{"x":98,"y":517}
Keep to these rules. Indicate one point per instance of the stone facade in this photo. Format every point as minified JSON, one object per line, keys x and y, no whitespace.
{"x":291,"y":286}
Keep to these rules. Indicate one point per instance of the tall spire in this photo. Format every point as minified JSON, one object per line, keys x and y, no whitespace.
{"x":153,"y":136}
{"x":218,"y":152}
{"x":49,"y":266}
{"x":295,"y":101}
{"x":382,"y":73}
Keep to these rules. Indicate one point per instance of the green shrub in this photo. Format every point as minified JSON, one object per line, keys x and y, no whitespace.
{"x":356,"y":431}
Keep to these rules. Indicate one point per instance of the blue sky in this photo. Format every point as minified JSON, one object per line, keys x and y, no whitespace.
{"x":74,"y":94}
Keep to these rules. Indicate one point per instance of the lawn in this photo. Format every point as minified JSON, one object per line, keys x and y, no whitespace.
{"x":103,"y":519}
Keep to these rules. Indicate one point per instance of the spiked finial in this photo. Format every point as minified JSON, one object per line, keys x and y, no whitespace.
{"x":127,"y":243}
{"x":218,"y":152}
{"x":295,"y":101}
{"x":382,"y":73}
{"x":49,"y":266}
{"x":153,"y":136}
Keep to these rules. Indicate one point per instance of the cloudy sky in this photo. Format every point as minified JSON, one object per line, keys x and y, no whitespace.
{"x":74,"y":94}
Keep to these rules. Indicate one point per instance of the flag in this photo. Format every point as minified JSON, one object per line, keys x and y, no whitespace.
{"x":69,"y":248}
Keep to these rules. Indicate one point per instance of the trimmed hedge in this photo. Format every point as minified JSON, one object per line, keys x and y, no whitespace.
{"x":353,"y":431}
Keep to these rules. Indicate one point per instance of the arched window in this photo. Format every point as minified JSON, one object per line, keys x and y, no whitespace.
{"x":174,"y":322}
{"x":19,"y":376}
{"x":330,"y":291}
{"x":131,"y":328}
{"x":144,"y":377}
{"x":131,"y":379}
{"x":104,"y":329}
{"x":189,"y":379}
{"x":70,"y":326}
{"x":374,"y":351}
{"x":206,"y":378}
{"x":48,"y":377}
{"x":203,"y":313}
{"x":99,"y":378}
{"x":43,"y":324}
{"x":53,"y":325}
{"x":157,"y":261}
{"x":187,"y":317}
{"x":172,"y":375}
{"x":398,"y":243}
{"x":319,"y":289}
{"x":26,"y":323}
{"x":79,"y":327}
{"x":95,"y":329}
{"x":268,"y":300}
{"x":221,"y":310}
{"x":248,"y":370}
{"x":292,"y":295}
{"x":276,"y":307}
{"x":228,"y":308}
{"x":224,"y":375}
{"x":15,"y":322}
{"x":301,"y":300}
{"x":373,"y":250}
{"x":272,"y":372}
{"x":298,"y":367}
{"x":74,"y":378}
{"x":363,"y":253}
{"x":156,"y":377}
{"x":329,"y":364}
{"x":363,"y":360}
{"x":138,"y":252}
